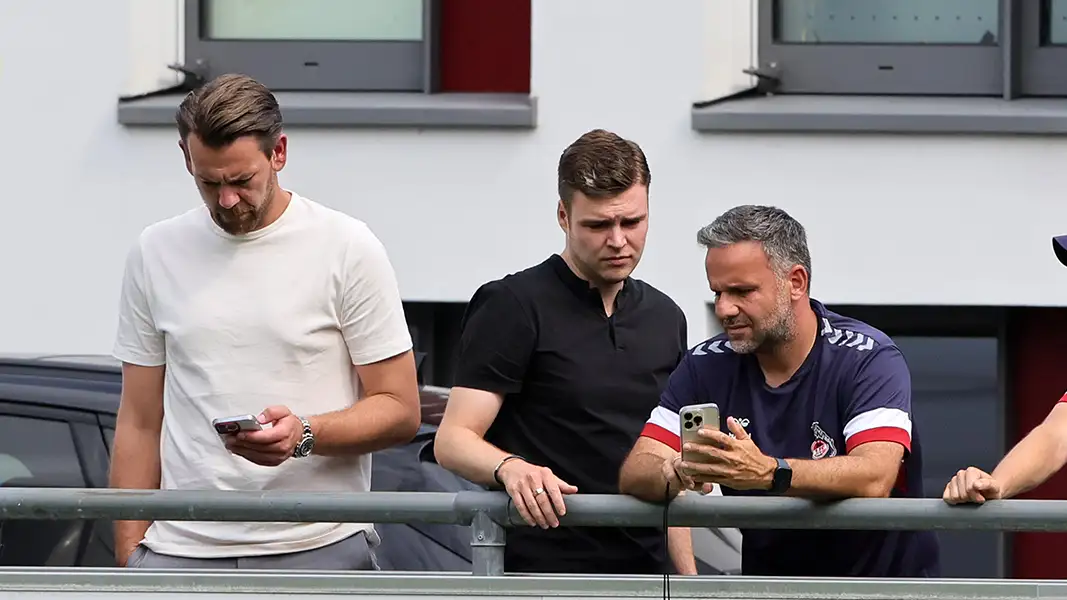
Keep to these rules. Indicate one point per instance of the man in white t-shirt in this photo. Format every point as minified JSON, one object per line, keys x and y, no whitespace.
{"x":265,"y":303}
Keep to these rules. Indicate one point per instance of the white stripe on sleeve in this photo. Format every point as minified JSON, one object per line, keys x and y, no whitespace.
{"x":665,"y":418}
{"x":878,"y":417}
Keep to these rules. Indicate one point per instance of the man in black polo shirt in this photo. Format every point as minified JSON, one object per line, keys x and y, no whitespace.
{"x":559,"y":366}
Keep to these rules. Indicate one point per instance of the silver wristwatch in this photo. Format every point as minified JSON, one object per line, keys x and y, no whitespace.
{"x":307,"y":441}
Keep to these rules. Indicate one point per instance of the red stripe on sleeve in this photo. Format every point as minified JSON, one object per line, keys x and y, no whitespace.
{"x":660,"y":434}
{"x":879,"y":434}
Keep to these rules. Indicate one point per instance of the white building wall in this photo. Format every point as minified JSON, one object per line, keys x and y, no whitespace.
{"x":891,"y":219}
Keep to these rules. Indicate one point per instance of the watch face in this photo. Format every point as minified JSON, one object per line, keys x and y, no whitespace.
{"x":305,"y":446}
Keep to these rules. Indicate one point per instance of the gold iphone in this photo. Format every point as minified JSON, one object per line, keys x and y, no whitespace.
{"x":692,"y":419}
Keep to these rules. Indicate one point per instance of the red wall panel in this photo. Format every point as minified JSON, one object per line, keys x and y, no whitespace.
{"x":485,"y":46}
{"x":1037,"y":363}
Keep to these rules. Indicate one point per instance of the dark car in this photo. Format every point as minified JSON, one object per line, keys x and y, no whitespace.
{"x":57,"y":420}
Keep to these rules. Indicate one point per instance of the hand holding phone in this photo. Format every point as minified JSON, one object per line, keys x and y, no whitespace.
{"x":237,"y":424}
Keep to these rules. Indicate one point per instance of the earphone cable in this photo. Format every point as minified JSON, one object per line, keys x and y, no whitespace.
{"x":667,"y":542}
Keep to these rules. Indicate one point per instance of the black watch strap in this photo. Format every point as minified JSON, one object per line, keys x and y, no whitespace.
{"x":783,"y":477}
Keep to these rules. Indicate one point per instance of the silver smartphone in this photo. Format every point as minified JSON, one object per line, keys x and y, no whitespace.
{"x":239,"y":423}
{"x":692,"y":419}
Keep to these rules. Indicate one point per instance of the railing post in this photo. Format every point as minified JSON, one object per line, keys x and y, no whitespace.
{"x":487,"y":545}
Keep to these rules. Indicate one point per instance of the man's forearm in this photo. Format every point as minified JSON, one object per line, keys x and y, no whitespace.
{"x":680,"y":548}
{"x":467,"y":454}
{"x":373,"y":423}
{"x":1032,"y":461}
{"x":134,"y":465}
{"x":642,"y":477}
{"x":838,"y":477}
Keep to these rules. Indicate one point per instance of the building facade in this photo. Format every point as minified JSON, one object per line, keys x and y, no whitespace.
{"x":926,"y":175}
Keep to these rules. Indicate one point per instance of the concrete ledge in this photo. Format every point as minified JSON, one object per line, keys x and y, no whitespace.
{"x":75,"y":584}
{"x":884,"y":114}
{"x":344,"y":109}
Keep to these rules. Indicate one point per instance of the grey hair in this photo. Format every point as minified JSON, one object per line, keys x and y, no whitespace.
{"x":781,"y":236}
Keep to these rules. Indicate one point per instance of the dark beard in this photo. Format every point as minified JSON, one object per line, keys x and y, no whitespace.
{"x":246,"y":222}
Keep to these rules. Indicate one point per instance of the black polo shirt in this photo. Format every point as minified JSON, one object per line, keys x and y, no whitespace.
{"x":578,"y":387}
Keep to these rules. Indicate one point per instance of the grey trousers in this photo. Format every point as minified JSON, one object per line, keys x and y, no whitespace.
{"x":350,"y":554}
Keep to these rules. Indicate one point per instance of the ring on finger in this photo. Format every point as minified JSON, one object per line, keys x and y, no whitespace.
{"x":539,"y":491}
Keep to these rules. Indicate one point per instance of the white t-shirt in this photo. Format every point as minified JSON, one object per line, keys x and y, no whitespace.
{"x":279,"y":316}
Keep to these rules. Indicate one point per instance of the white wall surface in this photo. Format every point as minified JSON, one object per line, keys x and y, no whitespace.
{"x":891,"y":219}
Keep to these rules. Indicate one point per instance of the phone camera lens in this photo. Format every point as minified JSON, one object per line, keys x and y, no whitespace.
{"x":688,"y":416}
{"x":698,"y":420}
{"x":688,"y":425}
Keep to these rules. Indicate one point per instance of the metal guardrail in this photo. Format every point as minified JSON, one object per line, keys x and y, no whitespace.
{"x":590,"y":510}
{"x":488,"y":513}
{"x":50,"y":583}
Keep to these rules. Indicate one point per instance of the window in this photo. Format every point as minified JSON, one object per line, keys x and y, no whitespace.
{"x":955,"y":355}
{"x":363,"y":45}
{"x":954,"y":376}
{"x":996,"y":48}
{"x":382,"y":63}
{"x":311,"y":45}
{"x":899,"y":66}
{"x":435,"y":330}
{"x":38,"y":453}
{"x":1044,"y":47}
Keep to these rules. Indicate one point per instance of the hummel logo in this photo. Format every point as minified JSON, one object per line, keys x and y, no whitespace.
{"x":715,"y":347}
{"x":844,"y":337}
{"x":743,"y":423}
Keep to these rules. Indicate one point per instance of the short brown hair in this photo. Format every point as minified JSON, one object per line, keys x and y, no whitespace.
{"x":600,"y":164}
{"x":230,"y":107}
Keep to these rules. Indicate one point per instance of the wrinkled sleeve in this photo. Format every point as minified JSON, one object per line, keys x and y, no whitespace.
{"x":879,"y":402}
{"x":497,"y":342}
{"x":372,"y":313}
{"x":138,"y":340}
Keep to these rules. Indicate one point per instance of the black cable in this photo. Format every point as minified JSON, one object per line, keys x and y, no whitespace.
{"x":768,"y":82}
{"x":667,"y":542}
{"x":508,"y":511}
{"x":745,"y":93}
{"x":189,"y":82}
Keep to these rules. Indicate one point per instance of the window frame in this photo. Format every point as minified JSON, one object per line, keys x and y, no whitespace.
{"x":857,"y":69}
{"x":1042,"y":72}
{"x":318,"y":65}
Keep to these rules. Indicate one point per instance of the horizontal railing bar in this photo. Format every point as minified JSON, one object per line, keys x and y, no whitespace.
{"x":582,"y":509}
{"x":211,"y":505}
{"x":796,"y":513}
{"x":47,"y":581}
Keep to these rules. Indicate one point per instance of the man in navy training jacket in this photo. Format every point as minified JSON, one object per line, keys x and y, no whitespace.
{"x":813,"y":404}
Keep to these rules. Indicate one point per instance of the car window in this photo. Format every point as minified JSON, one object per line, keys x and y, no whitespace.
{"x":38,"y":453}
